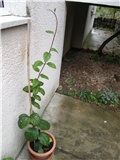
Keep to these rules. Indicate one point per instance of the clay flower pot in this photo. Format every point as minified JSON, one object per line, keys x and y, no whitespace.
{"x":42,"y":156}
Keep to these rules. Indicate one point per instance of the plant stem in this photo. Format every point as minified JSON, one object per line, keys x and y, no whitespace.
{"x":51,"y":42}
{"x":55,"y":30}
{"x":28,"y":64}
{"x":41,"y":70}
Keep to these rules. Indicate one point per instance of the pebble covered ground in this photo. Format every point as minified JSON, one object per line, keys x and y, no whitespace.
{"x":79,"y":71}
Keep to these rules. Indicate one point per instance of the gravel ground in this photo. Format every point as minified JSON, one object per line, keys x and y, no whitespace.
{"x":79,"y":71}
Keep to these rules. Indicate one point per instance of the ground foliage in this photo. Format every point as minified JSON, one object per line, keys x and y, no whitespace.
{"x":91,"y":79}
{"x":109,"y":57}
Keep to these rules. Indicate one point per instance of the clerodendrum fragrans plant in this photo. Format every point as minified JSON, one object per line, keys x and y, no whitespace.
{"x":34,"y":123}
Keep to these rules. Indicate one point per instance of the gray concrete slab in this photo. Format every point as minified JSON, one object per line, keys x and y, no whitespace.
{"x":83,"y":131}
{"x":24,"y":154}
{"x":97,"y":37}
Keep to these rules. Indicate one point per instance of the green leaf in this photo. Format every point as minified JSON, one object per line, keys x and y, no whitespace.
{"x":35,"y":119}
{"x":46,"y":56}
{"x":50,"y":140}
{"x":23,"y":121}
{"x":37,"y":146}
{"x":54,"y":9}
{"x":44,"y":76}
{"x":31,"y":134}
{"x":49,"y":31}
{"x":35,"y":82}
{"x":44,"y":138}
{"x":31,"y":80}
{"x":41,"y":83}
{"x":52,"y":65}
{"x":37,"y":97}
{"x":70,"y":81}
{"x":54,"y":50}
{"x":41,"y":151}
{"x":32,"y":99}
{"x":9,"y":158}
{"x":25,"y":89}
{"x":36,"y":65}
{"x":35,"y":104}
{"x":36,"y":90}
{"x":44,"y":125}
{"x":41,"y":90}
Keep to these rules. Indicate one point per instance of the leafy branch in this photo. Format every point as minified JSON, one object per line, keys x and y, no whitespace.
{"x":35,"y":88}
{"x":54,"y":35}
{"x":35,"y":133}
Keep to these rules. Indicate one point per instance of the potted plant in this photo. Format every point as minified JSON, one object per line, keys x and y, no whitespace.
{"x":40,"y":143}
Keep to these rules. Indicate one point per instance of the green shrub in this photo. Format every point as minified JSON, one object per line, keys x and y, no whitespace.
{"x":87,"y":95}
{"x":108,"y":57}
{"x":70,"y":81}
{"x":105,"y":97}
{"x":108,"y":98}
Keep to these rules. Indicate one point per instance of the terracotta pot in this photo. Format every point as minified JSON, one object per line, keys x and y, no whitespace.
{"x":43,"y":156}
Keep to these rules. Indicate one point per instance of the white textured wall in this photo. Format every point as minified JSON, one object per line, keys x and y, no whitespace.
{"x":0,"y":97}
{"x":41,"y":20}
{"x":79,"y":23}
{"x":14,"y":78}
{"x":14,"y":101}
{"x":89,"y":21}
{"x":71,"y":7}
{"x":16,"y":7}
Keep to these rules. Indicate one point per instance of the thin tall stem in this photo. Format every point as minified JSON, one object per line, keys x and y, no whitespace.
{"x":51,"y":42}
{"x":55,"y":30}
{"x":28,"y":63}
{"x":41,"y":70}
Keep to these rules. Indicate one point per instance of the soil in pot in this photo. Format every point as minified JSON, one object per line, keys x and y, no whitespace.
{"x":45,"y":148}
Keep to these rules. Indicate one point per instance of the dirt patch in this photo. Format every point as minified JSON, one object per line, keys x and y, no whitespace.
{"x":79,"y":71}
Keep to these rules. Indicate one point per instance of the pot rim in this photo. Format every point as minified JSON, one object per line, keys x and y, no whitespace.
{"x":43,"y":154}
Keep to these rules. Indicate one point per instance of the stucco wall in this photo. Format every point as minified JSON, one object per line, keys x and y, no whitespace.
{"x":79,"y":23}
{"x":14,"y":101}
{"x":81,"y":11}
{"x":89,"y":21}
{"x":69,"y":26}
{"x":14,"y":78}
{"x":15,"y":7}
{"x":0,"y":97}
{"x":42,"y":20}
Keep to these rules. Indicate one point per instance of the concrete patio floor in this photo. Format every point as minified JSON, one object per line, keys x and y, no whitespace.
{"x":83,"y":131}
{"x":97,"y":37}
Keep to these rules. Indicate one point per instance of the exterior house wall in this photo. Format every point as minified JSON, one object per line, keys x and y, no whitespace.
{"x":69,"y":26}
{"x":14,"y":70}
{"x":81,"y":12}
{"x":89,"y":21}
{"x":15,"y":7}
{"x":14,"y":101}
{"x":78,"y":25}
{"x":42,"y":19}
{"x":0,"y":98}
{"x":14,"y":74}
